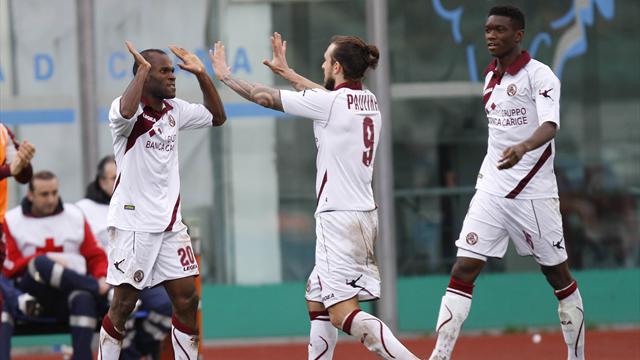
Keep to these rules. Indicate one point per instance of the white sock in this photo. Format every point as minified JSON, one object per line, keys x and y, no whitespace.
{"x":322,"y":336}
{"x":110,"y":342}
{"x":454,"y":310}
{"x":571,"y":313}
{"x":185,"y":341}
{"x":375,"y":336}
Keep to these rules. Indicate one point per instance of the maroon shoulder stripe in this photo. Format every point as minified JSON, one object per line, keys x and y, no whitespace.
{"x":324,"y":182}
{"x":174,"y":215}
{"x":521,"y":185}
{"x":141,"y":126}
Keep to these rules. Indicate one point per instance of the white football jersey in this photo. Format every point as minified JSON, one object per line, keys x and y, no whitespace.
{"x":146,"y":194}
{"x":346,"y":126}
{"x":527,"y":95}
{"x":96,"y":215}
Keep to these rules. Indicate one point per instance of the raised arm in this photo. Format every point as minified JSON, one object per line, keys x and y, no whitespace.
{"x":211,"y":98}
{"x":130,"y":99}
{"x":260,"y":94}
{"x":278,"y":65}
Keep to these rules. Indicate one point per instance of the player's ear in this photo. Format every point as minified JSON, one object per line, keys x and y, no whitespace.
{"x":336,"y":67}
{"x":519,"y":35}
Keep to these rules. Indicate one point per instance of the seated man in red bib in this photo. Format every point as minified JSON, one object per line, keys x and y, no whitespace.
{"x":53,"y":255}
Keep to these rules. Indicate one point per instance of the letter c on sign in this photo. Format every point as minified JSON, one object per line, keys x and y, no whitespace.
{"x":118,"y":55}
{"x":42,"y":67}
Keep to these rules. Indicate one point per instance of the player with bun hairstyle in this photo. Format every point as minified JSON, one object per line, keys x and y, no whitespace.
{"x":355,"y":57}
{"x":346,"y":124}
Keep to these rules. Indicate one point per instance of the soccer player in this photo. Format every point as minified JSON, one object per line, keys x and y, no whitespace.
{"x":52,"y":253}
{"x":347,"y":124}
{"x":149,"y":244}
{"x":516,"y":192}
{"x":143,"y":337}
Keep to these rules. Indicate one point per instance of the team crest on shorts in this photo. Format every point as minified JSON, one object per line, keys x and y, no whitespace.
{"x":512,"y":89}
{"x":138,"y":275}
{"x":472,"y":238}
{"x":172,"y":121}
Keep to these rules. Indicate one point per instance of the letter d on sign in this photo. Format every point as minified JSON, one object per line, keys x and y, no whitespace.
{"x":42,"y":66}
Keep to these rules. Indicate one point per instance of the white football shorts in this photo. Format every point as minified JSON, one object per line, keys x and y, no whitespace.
{"x":534,"y":226}
{"x":144,"y":259}
{"x":345,"y":262}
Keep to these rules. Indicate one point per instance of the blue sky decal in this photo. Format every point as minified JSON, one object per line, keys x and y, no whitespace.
{"x":572,"y":43}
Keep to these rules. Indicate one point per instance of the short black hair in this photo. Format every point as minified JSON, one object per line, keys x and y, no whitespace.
{"x":41,"y":175}
{"x":145,"y":54}
{"x":516,"y":15}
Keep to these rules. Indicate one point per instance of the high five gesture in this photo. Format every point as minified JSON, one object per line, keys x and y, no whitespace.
{"x":260,"y":94}
{"x":191,"y":62}
{"x":145,"y":206}
{"x":278,"y":64}
{"x":131,"y":96}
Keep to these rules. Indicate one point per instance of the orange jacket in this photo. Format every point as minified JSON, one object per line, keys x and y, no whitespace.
{"x":7,"y":146}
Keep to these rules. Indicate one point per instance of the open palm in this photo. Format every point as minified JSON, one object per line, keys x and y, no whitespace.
{"x":190,"y":62}
{"x":278,"y":62}
{"x":218,"y":58}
